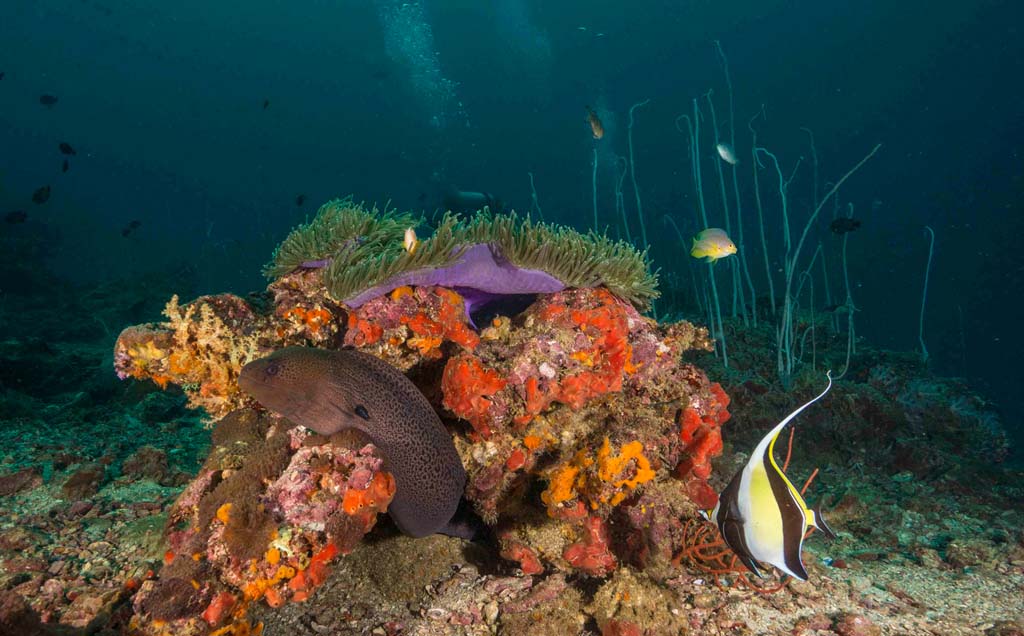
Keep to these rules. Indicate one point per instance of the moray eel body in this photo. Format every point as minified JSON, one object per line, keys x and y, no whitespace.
{"x":329,"y":391}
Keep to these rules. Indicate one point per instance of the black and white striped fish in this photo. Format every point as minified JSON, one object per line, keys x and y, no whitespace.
{"x":762,"y":516}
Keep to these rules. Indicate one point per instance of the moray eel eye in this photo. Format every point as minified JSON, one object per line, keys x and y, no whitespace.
{"x":362,"y":412}
{"x":273,"y":369}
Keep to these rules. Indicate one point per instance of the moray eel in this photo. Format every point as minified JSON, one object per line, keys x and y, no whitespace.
{"x":330,"y":391}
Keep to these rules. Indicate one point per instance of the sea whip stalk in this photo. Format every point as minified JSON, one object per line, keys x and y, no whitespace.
{"x":924,"y":295}
{"x":632,"y":173}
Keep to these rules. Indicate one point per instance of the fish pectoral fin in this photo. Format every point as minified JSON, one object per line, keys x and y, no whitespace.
{"x":733,"y":534}
{"x":820,"y":523}
{"x":751,"y":564}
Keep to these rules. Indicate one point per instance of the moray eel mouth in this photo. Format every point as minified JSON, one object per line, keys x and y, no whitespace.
{"x":262,"y":379}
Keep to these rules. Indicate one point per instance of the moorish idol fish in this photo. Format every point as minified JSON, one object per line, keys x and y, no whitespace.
{"x":761,"y":514}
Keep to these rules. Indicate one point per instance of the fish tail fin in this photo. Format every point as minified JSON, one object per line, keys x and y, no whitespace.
{"x":820,"y":523}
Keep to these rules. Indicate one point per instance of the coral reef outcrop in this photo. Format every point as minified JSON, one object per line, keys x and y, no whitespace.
{"x":585,"y":434}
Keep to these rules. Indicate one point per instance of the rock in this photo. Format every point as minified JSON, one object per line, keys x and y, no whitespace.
{"x":930,"y":558}
{"x":87,"y":606}
{"x":23,"y":479}
{"x":1005,"y":628}
{"x":79,"y":508}
{"x":962,"y":554}
{"x":16,"y":617}
{"x":147,"y":462}
{"x":812,"y":623}
{"x":83,"y":483}
{"x":855,"y":625}
{"x":19,"y":538}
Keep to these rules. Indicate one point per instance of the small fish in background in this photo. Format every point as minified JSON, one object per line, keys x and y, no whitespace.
{"x":48,"y":100}
{"x":41,"y":195}
{"x":133,"y":225}
{"x":65,"y":166}
{"x":467,"y":201}
{"x":837,"y":308}
{"x":844,"y":225}
{"x":2,"y":75}
{"x":16,"y":216}
{"x":66,"y":149}
{"x":596,"y":127}
{"x":299,"y":200}
{"x":713,"y":244}
{"x":410,"y":242}
{"x":761,"y":514}
{"x":266,"y":104}
{"x":726,"y":152}
{"x":381,"y":74}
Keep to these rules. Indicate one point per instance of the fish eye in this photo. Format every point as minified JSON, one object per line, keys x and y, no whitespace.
{"x":273,"y":369}
{"x":362,"y":412}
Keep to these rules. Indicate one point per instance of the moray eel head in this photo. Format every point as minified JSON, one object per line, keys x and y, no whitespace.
{"x":286,"y":382}
{"x":331,"y":391}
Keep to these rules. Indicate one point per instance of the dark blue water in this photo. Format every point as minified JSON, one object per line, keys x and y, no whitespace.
{"x":205,"y":121}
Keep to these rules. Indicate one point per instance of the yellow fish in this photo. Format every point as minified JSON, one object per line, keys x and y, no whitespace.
{"x":410,"y":241}
{"x":761,"y":514}
{"x":713,"y":244}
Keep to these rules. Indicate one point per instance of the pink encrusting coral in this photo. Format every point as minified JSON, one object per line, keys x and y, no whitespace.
{"x":410,"y":325}
{"x":272,"y":507}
